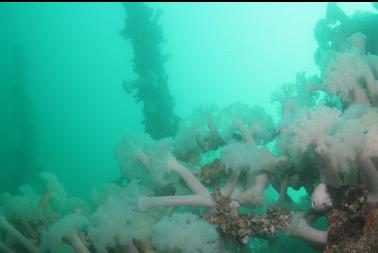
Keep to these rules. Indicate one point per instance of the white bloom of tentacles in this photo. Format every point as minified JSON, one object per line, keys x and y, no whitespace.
{"x":159,"y":157}
{"x":348,"y":141}
{"x":313,"y":127}
{"x":185,"y":233}
{"x":110,"y":225}
{"x":23,"y":207}
{"x":129,"y":153}
{"x":194,"y":127}
{"x":62,"y":230}
{"x":370,"y":117}
{"x":54,"y":186}
{"x":117,"y":221}
{"x":228,"y":115}
{"x":239,"y":156}
{"x":344,"y":72}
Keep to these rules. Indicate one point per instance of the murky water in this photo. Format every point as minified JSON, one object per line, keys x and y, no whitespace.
{"x":188,"y":127}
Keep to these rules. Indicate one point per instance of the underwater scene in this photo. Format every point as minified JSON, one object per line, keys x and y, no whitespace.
{"x":188,"y":127}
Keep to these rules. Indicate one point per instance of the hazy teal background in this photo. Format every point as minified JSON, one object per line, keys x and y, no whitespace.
{"x":76,"y":61}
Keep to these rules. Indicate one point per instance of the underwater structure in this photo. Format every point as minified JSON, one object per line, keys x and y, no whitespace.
{"x":332,"y":31}
{"x":151,"y":86}
{"x":202,"y":190}
{"x":19,"y":129}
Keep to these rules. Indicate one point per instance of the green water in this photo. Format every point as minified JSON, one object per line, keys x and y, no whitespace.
{"x":62,"y":105}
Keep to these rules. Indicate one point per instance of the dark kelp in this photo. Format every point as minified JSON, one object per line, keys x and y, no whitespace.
{"x":146,"y":37}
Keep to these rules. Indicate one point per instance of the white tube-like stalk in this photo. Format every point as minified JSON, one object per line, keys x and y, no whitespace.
{"x":247,"y":136}
{"x":300,"y":228}
{"x":229,"y":188}
{"x":283,"y":190}
{"x":260,"y":183}
{"x":141,"y":157}
{"x":28,"y":228}
{"x":146,"y":246}
{"x":130,"y":248}
{"x":77,"y":244}
{"x":360,"y":97}
{"x":328,"y":175}
{"x":7,"y":227}
{"x":202,"y":200}
{"x":253,"y":196}
{"x":191,"y":181}
{"x":366,"y":164}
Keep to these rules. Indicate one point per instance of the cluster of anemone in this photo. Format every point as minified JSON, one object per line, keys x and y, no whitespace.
{"x":161,"y":205}
{"x":128,"y":216}
{"x":326,"y":137}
